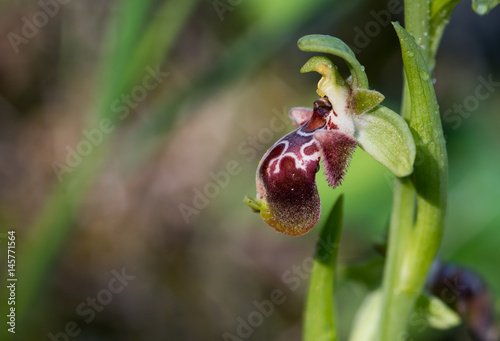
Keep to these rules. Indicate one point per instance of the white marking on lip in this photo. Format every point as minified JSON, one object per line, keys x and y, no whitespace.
{"x":309,"y":157}
{"x":303,"y":133}
{"x":300,"y":163}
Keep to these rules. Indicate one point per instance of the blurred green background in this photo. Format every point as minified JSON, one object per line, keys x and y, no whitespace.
{"x":186,"y":92}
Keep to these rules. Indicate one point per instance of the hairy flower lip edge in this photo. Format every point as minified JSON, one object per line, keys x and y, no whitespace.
{"x":335,"y":156}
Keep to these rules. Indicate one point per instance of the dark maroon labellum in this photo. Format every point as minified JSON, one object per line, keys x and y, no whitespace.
{"x":286,"y":174}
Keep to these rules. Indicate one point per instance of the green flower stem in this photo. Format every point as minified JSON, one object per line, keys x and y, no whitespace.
{"x":413,"y":245}
{"x":399,"y":232}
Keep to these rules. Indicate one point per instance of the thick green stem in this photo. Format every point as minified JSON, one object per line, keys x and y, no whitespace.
{"x":400,"y":230}
{"x":414,"y":244}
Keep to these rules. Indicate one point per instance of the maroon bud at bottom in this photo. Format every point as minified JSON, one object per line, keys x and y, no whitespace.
{"x":467,"y":294}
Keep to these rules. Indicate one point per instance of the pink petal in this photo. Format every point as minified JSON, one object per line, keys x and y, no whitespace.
{"x":300,"y":115}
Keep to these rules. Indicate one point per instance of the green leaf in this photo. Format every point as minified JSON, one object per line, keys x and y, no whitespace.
{"x":384,"y":135}
{"x":483,"y":7}
{"x":319,"y":319}
{"x":431,"y":173}
{"x":438,"y":314}
{"x":167,"y":22}
{"x":328,"y":44}
{"x":363,"y":100}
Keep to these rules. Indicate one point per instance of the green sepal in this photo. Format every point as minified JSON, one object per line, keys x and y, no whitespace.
{"x":328,"y":44}
{"x":384,"y":135}
{"x":363,"y":100}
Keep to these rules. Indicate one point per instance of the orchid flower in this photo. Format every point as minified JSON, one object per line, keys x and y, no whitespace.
{"x":346,"y":115}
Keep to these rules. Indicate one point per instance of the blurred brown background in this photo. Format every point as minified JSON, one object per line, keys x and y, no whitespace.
{"x":231,"y":67}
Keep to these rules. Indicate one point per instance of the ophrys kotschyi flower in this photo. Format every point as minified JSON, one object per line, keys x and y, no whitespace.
{"x":347,"y":114}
